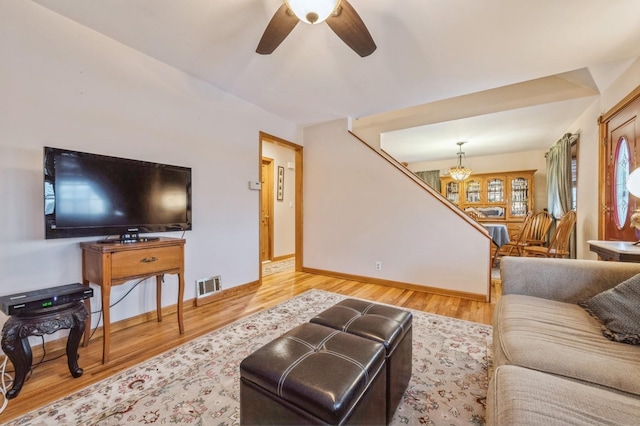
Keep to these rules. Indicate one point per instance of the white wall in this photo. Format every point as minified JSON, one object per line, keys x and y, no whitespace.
{"x":66,"y":86}
{"x":359,"y":209}
{"x":587,"y":222}
{"x":588,"y":186}
{"x":284,"y":222}
{"x":532,"y":160}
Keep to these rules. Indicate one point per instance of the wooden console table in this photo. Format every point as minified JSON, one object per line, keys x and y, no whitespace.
{"x":621,"y":251}
{"x":109,"y":264}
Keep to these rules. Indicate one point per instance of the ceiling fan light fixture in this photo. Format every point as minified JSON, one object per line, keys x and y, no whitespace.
{"x":460,"y":172}
{"x":312,"y":11}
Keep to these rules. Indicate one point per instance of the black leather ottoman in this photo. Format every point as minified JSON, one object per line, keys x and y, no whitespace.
{"x":390,"y":326}
{"x":314,"y":375}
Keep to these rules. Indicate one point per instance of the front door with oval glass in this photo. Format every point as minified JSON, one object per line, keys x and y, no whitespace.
{"x":621,"y":159}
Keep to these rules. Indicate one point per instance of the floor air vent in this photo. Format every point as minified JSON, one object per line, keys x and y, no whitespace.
{"x":207,"y":286}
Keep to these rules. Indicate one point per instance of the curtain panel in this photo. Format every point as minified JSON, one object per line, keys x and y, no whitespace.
{"x":559,"y":185}
{"x":431,"y":177}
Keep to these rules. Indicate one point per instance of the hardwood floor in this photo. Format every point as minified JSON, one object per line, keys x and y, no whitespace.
{"x":51,"y":380}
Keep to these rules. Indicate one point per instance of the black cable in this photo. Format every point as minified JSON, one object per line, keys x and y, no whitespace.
{"x":112,"y":305}
{"x":44,"y":354}
{"x":44,"y":350}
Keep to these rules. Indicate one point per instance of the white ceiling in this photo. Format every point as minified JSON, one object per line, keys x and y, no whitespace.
{"x":431,"y":53}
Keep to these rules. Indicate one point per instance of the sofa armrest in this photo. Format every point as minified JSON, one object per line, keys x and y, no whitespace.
{"x":565,"y":280}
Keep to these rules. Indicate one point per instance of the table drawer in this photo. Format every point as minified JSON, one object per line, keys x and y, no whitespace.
{"x":145,"y":262}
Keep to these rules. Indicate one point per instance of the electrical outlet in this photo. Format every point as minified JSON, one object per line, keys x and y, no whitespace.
{"x":378,"y":266}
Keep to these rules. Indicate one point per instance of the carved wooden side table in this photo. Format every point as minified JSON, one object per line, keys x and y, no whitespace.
{"x":18,"y":328}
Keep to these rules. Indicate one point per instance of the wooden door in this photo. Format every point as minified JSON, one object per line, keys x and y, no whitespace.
{"x":620,"y":158}
{"x":266,"y":210}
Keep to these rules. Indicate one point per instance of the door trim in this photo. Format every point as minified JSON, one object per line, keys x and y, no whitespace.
{"x":265,"y":137}
{"x":268,"y":193}
{"x":603,"y":134}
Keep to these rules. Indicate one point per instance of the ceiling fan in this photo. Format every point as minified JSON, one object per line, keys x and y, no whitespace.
{"x":339,"y":15}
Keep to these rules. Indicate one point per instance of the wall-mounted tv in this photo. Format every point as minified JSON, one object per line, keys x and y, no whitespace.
{"x":97,"y":195}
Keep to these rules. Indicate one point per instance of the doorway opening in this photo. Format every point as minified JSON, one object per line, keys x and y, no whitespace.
{"x":280,"y":204}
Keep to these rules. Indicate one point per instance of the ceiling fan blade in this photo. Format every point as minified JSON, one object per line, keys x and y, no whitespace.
{"x":348,"y":25}
{"x":278,"y":29}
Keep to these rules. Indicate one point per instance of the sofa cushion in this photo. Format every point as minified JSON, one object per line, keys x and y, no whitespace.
{"x":519,"y":396}
{"x":563,"y":339}
{"x":618,"y":309}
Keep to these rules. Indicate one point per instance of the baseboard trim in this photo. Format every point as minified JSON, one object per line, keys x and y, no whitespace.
{"x":60,"y":344}
{"x":283,"y":257}
{"x":172,"y":309}
{"x":397,"y":284}
{"x":230,"y":292}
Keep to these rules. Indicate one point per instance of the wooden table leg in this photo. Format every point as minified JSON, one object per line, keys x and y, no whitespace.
{"x":73,"y":341}
{"x":106,"y":322}
{"x":87,"y":322}
{"x":180,"y":303}
{"x":159,"y":297}
{"x":19,"y":352}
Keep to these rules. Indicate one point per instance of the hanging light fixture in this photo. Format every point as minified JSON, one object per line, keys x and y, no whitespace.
{"x":312,"y":11}
{"x":460,"y":172}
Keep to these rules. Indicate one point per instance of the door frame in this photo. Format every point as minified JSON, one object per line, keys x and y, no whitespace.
{"x":268,"y":193}
{"x":603,"y":134}
{"x":298,"y":149}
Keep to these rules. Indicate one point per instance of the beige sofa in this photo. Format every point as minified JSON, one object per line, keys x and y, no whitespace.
{"x":552,"y":365}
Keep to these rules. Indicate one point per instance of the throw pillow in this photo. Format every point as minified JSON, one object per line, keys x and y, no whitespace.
{"x":618,"y":309}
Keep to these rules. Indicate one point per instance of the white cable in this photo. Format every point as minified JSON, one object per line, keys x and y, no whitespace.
{"x":4,"y":387}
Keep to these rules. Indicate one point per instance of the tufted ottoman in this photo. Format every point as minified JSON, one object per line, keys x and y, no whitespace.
{"x":390,"y":326}
{"x":314,"y":375}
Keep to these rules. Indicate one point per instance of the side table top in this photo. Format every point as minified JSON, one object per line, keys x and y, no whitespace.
{"x":106,"y":246}
{"x":626,"y":247}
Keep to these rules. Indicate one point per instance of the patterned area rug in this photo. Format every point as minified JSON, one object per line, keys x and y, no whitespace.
{"x":269,"y":268}
{"x":198,"y":383}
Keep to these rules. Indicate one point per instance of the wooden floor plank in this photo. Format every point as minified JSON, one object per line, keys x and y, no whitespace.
{"x":51,"y":380}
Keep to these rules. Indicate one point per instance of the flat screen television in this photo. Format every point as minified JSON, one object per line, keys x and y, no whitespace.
{"x":97,"y":195}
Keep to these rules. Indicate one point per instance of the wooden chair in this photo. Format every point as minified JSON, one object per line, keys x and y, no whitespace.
{"x":535,"y":234}
{"x":559,"y":244}
{"x":472,"y":214}
{"x":506,"y":249}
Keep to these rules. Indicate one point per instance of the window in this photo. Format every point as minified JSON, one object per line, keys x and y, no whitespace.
{"x":620,"y":193}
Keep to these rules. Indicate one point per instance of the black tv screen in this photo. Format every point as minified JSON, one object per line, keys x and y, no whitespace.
{"x":96,"y":195}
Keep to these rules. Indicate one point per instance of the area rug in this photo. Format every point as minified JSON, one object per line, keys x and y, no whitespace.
{"x":270,"y":268}
{"x":198,"y":383}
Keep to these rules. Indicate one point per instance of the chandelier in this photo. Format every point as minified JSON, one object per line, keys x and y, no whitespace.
{"x":460,"y":172}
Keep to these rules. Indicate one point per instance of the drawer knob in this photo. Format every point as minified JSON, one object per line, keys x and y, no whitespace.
{"x":149,"y":260}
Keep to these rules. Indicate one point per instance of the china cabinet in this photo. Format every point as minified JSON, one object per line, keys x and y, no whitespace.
{"x":497,"y":197}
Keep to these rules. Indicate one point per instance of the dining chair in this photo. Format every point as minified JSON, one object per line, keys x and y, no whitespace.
{"x":535,"y":234}
{"x":559,"y":244}
{"x":507,"y":248}
{"x":472,"y":214}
